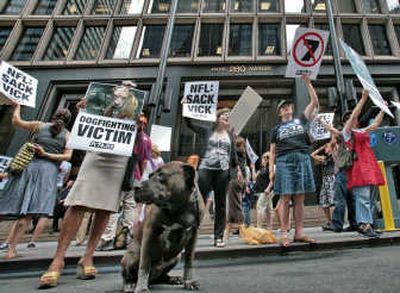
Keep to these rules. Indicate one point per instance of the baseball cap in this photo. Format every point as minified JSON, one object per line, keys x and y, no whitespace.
{"x":282,"y":103}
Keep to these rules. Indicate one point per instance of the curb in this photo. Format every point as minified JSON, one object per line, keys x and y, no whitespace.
{"x":41,"y":264}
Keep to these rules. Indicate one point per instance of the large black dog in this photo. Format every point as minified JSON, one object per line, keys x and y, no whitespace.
{"x":170,"y":225}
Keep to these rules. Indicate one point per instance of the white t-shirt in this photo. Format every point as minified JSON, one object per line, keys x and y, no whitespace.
{"x":63,"y":170}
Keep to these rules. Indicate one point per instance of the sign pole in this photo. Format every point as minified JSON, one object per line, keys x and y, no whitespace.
{"x":336,"y":58}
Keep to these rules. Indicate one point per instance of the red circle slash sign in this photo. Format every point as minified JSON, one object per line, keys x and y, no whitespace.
{"x":311,"y":50}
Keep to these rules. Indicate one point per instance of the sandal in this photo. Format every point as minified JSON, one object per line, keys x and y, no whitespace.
{"x":219,"y":243}
{"x":284,"y":242}
{"x":49,"y":280}
{"x":304,"y":239}
{"x":85,"y":272}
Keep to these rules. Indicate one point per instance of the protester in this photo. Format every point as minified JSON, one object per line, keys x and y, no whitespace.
{"x":293,"y":177}
{"x":97,"y":190}
{"x":217,"y":156}
{"x":33,"y":192}
{"x":153,"y":163}
{"x":59,"y":209}
{"x":327,"y":193}
{"x":249,"y":197}
{"x":364,"y":174}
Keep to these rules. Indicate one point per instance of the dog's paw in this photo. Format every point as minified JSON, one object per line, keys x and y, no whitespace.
{"x":129,"y":288}
{"x":192,"y":285}
{"x":142,"y":290}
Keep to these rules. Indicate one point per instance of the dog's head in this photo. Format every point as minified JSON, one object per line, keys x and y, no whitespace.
{"x":169,"y":186}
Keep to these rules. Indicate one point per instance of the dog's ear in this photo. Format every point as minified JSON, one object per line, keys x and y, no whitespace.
{"x":189,"y":173}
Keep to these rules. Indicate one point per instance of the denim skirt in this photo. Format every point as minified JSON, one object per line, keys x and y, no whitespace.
{"x":294,"y":174}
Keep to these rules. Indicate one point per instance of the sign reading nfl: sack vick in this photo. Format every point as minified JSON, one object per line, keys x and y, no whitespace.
{"x":17,"y":85}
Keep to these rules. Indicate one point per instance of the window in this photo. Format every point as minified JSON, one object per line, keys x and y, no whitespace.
{"x":346,"y":6}
{"x":4,"y":33}
{"x":181,"y":43}
{"x":397,"y":31}
{"x":59,"y":43}
{"x":121,"y":42}
{"x":371,"y":6}
{"x":295,"y":6}
{"x":214,"y":6}
{"x":188,"y":6}
{"x":290,"y":33}
{"x":12,"y":6}
{"x":45,"y":7}
{"x":27,"y":44}
{"x":132,"y":7}
{"x":159,"y":6}
{"x":240,"y":40}
{"x":73,"y":7}
{"x":318,"y":6}
{"x":352,"y":36}
{"x":268,"y":6}
{"x":242,"y":6}
{"x":393,"y":6}
{"x":269,"y":39}
{"x":103,"y":7}
{"x":89,"y":46}
{"x":325,"y":27}
{"x":152,"y":41}
{"x":211,"y":39}
{"x":379,"y":39}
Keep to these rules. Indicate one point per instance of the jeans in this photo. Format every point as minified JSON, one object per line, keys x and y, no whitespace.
{"x":364,"y":207}
{"x":343,"y":197}
{"x":247,"y":212}
{"x":216,"y":180}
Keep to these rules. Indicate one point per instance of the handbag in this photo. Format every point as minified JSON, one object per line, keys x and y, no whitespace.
{"x":348,"y":156}
{"x":24,"y":156}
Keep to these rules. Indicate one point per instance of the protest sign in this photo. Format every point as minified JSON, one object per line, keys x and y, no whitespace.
{"x":244,"y":109}
{"x":17,"y":86}
{"x":200,"y":100}
{"x":4,"y":164}
{"x":305,"y":56}
{"x":397,"y":104}
{"x":317,"y":130}
{"x":102,"y":134}
{"x":253,"y":157}
{"x":161,"y":136}
{"x":361,"y":70}
{"x":108,"y":124}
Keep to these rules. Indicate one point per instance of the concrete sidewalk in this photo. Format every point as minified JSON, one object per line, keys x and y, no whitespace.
{"x":40,"y":257}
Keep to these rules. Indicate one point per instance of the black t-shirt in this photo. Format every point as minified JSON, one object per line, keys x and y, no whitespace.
{"x":291,"y":136}
{"x":262,"y":180}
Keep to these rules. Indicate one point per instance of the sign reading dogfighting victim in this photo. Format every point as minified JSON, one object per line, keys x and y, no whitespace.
{"x":317,"y":130}
{"x":102,"y":134}
{"x":200,"y":100}
{"x":17,"y":85}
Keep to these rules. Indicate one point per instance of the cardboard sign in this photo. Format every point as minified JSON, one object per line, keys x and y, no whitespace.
{"x":4,"y":164}
{"x":305,"y":56}
{"x":244,"y":109}
{"x":253,"y":157}
{"x":161,"y":136}
{"x":317,"y":130}
{"x":102,"y":134}
{"x":361,"y":70}
{"x":200,"y":100}
{"x":17,"y":85}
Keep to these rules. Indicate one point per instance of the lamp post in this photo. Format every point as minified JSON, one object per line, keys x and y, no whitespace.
{"x":156,"y":89}
{"x":336,"y":57}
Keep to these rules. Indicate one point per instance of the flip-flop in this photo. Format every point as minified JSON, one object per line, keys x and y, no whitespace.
{"x":49,"y":280}
{"x":304,"y":239}
{"x":85,"y":272}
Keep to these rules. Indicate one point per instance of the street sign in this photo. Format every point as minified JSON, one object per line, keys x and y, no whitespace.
{"x":306,"y":54}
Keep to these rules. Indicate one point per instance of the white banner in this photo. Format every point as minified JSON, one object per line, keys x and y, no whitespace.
{"x":306,"y":54}
{"x":244,"y":109}
{"x":161,"y":136}
{"x":102,"y":134}
{"x":361,"y":70}
{"x":317,"y":130}
{"x":397,"y":104}
{"x":250,"y":153}
{"x":200,"y":100}
{"x":4,"y":163}
{"x":17,"y":85}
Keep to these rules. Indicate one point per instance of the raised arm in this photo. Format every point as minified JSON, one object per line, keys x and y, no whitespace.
{"x":377,"y":121}
{"x":356,"y":112}
{"x":313,"y":97}
{"x":19,"y":122}
{"x":317,"y":157}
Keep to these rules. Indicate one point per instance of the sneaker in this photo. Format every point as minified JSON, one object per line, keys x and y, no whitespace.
{"x":369,"y":232}
{"x":31,"y":245}
{"x":350,"y":229}
{"x":105,"y":245}
{"x":4,"y":246}
{"x":327,"y":227}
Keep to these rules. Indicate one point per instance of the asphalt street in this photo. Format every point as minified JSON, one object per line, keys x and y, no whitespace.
{"x":351,"y":270}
